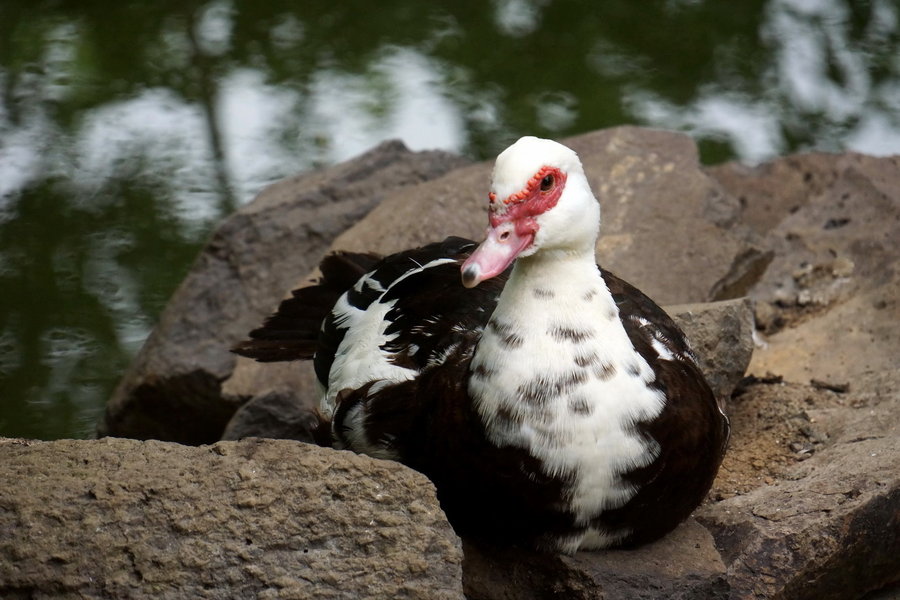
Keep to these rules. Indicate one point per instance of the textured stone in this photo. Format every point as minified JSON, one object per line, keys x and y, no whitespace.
{"x":829,"y":299}
{"x":721,"y":335}
{"x":685,"y":564}
{"x":173,"y":388}
{"x":116,"y":518}
{"x":278,"y":416}
{"x":666,"y":226}
{"x":829,"y":527}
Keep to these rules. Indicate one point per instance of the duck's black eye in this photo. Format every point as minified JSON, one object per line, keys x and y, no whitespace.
{"x":547,"y":183}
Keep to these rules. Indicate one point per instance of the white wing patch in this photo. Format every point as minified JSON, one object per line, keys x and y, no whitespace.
{"x":367,"y":281}
{"x":660,"y":343}
{"x":355,"y":434}
{"x":662,"y":350}
{"x":360,"y":358}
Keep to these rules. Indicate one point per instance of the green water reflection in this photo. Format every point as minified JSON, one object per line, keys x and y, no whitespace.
{"x":127,"y":129}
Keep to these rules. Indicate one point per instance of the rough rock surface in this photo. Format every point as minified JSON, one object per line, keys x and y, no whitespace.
{"x":829,"y":303}
{"x":119,"y":518}
{"x":721,"y":335}
{"x":828,"y":524}
{"x":276,"y":415}
{"x":666,"y":225}
{"x":810,"y":489}
{"x":806,"y":504}
{"x":172,"y":390}
{"x":684,"y":564}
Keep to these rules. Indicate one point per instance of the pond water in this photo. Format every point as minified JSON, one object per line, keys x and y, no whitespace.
{"x":129,"y":128}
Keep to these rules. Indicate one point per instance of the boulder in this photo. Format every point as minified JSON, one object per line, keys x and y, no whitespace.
{"x":721,"y":335}
{"x":666,"y":226}
{"x":280,"y":416}
{"x":116,"y":518}
{"x":829,"y":303}
{"x":684,"y":564}
{"x":173,"y":388}
{"x":827,"y":523}
{"x":806,"y":506}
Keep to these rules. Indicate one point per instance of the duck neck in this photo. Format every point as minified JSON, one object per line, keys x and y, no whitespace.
{"x":552,"y":304}
{"x":551,"y":280}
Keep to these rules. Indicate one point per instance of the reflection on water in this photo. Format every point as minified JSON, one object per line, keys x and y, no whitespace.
{"x":128,"y":129}
{"x":160,"y":130}
{"x":399,"y":95}
{"x":832,"y":85}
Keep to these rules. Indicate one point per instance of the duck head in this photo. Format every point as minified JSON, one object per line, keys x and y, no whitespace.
{"x":539,"y":201}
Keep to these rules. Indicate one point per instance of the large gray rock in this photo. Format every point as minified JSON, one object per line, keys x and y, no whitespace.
{"x":684,"y":564}
{"x":173,"y":388}
{"x":280,"y":416}
{"x":666,"y":226}
{"x":721,"y":335}
{"x":828,"y":525}
{"x":829,"y":303}
{"x":116,"y":518}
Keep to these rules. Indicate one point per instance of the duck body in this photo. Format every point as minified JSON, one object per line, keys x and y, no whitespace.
{"x":553,"y":405}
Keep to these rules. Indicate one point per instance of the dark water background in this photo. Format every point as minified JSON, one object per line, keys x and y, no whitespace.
{"x":127,"y":128}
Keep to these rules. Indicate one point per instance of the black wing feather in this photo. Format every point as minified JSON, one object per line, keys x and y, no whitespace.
{"x":634,"y":304}
{"x":292,"y":333}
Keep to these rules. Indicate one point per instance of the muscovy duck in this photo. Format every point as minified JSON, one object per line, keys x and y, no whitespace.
{"x":553,"y":405}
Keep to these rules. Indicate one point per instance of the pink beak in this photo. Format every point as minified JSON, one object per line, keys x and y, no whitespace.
{"x":499,"y":249}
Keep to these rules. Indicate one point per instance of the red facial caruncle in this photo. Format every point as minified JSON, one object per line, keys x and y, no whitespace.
{"x":513,"y":225}
{"x":539,"y":195}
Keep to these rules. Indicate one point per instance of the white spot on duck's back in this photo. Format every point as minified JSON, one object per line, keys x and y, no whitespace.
{"x":354,"y":432}
{"x":368,"y":281}
{"x":663,"y":352}
{"x":359,"y":358}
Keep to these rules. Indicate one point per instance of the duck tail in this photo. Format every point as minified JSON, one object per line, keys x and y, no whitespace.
{"x":292,"y":332}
